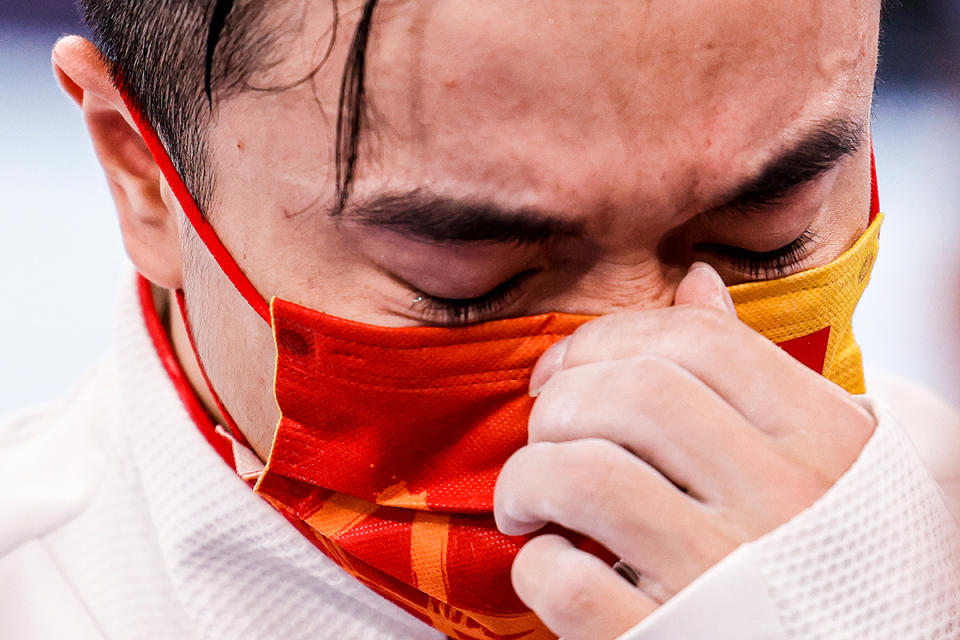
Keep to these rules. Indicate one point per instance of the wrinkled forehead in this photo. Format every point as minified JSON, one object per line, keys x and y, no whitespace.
{"x":564,"y":89}
{"x":640,"y":100}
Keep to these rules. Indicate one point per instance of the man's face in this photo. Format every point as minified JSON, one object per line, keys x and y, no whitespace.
{"x":524,"y":157}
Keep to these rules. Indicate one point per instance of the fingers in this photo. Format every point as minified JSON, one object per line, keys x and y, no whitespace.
{"x":716,"y":348}
{"x":703,"y":285}
{"x":663,"y":415}
{"x":770,"y":389}
{"x":671,"y":420}
{"x":599,"y":489}
{"x":670,"y":437}
{"x":575,"y":594}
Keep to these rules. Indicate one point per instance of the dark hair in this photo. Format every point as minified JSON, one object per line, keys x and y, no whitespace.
{"x":172,"y":57}
{"x":175,"y":58}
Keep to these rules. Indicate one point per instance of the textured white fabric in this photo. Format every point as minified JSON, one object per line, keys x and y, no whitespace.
{"x":932,"y":424}
{"x":730,"y":601}
{"x":107,"y":554}
{"x":171,"y":544}
{"x":876,"y":557}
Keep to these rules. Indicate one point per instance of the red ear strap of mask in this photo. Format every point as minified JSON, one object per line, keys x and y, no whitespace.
{"x":206,"y":232}
{"x":208,"y":428}
{"x":168,"y":358}
{"x":875,"y":188}
{"x":226,"y":262}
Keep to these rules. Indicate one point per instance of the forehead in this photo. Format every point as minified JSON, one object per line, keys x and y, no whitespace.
{"x":648,"y":102}
{"x":550,"y":96}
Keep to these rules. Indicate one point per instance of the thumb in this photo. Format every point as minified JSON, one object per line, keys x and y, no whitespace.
{"x":703,"y":286}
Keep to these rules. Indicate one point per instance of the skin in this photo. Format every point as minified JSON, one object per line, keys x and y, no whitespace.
{"x":632,"y":119}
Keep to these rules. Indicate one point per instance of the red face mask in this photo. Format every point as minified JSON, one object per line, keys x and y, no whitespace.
{"x":387,"y":453}
{"x":390,"y":441}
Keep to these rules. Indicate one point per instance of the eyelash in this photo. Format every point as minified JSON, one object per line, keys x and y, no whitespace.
{"x":765,"y":265}
{"x":462,"y":311}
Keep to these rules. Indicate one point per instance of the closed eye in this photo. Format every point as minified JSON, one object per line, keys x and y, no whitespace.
{"x":463,"y":311}
{"x":764,"y":265}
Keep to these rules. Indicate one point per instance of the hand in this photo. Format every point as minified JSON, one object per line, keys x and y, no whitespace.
{"x":671,"y":437}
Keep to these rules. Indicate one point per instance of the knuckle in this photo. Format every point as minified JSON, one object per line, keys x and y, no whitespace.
{"x":589,"y":465}
{"x":594,"y":337}
{"x":592,"y":452}
{"x":554,"y":584}
{"x":654,"y":375}
{"x":712,"y":545}
{"x":542,"y":422}
{"x":519,"y":466}
{"x":572,"y":402}
{"x":522,"y":489}
{"x":556,"y":480}
{"x":559,"y":482}
{"x":569,"y":596}
{"x":859,"y":425}
{"x":793,"y":486}
{"x":705,"y":318}
{"x":533,"y":559}
{"x":557,"y":407}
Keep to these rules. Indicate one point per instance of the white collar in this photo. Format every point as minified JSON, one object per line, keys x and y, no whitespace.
{"x":239,"y":568}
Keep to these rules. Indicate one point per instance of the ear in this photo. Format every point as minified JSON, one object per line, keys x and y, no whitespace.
{"x":148,"y":221}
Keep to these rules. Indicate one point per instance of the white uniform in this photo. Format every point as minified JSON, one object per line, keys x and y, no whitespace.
{"x":118,"y":520}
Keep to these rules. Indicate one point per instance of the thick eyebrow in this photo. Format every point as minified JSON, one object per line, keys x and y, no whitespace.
{"x":816,"y":153}
{"x":446,"y":220}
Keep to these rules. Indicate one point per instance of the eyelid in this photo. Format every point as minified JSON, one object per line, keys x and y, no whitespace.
{"x":765,"y":265}
{"x":756,"y":265}
{"x":461,"y":311}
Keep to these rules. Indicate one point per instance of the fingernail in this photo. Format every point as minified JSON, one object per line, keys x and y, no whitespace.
{"x":720,"y":288}
{"x":549,"y":364}
{"x":728,"y":300}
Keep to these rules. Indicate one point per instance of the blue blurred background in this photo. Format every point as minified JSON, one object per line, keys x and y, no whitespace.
{"x":61,"y":256}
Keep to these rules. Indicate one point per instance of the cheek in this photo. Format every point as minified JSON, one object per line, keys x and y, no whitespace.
{"x":846,"y":211}
{"x":850,"y":201}
{"x":237,"y":349}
